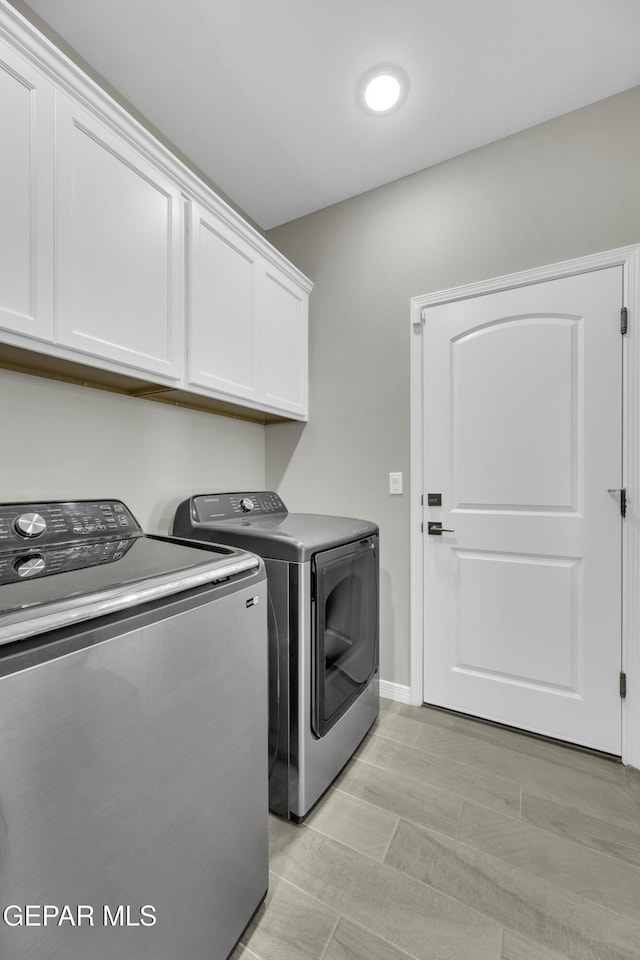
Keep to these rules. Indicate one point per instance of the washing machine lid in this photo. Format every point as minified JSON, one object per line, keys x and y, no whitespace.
{"x":267,"y":529}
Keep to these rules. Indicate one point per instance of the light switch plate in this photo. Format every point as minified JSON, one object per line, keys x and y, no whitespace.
{"x":395,"y":483}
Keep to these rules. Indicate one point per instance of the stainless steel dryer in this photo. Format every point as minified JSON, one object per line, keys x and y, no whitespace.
{"x":323,"y":584}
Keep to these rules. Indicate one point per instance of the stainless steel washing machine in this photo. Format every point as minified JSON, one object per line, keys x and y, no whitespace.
{"x":323,"y":588}
{"x":133,"y":731}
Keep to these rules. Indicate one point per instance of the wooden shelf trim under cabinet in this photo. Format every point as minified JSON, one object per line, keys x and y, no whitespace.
{"x":36,"y":364}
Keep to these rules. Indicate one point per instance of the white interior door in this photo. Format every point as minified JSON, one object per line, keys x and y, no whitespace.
{"x":523,"y":439}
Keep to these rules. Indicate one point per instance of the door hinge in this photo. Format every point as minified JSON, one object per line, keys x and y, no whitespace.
{"x":623,"y":685}
{"x":623,"y":498}
{"x":624,"y":319}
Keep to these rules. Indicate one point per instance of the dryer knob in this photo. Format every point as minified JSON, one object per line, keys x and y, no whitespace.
{"x":30,"y":525}
{"x":247,"y":504}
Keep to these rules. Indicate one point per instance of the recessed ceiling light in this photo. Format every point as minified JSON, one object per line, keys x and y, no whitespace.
{"x":383,"y":89}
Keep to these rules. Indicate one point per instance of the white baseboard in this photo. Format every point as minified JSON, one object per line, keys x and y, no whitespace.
{"x":394,"y":691}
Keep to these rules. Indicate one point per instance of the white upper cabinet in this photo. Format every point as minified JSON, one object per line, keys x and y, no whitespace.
{"x":26,"y":199}
{"x":97,"y":261}
{"x":224,"y":273}
{"x":283,"y":337}
{"x":247,"y":321}
{"x":119,"y":260}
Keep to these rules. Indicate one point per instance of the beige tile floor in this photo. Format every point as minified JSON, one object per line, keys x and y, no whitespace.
{"x":449,"y":839}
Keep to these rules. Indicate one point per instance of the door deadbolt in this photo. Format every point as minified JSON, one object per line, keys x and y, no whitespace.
{"x":435,"y":529}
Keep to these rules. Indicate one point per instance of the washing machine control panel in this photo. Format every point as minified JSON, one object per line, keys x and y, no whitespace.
{"x":32,"y":563}
{"x":38,"y":539}
{"x":212,"y":507}
{"x":51,"y":524}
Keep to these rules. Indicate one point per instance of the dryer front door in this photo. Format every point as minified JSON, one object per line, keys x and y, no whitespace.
{"x":345,"y":628}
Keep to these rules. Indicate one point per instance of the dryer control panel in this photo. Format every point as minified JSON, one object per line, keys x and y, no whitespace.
{"x":213,"y":507}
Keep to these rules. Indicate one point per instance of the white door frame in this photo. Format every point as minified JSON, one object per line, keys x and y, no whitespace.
{"x":629,"y":259}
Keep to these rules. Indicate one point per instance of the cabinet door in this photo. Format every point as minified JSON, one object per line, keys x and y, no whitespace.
{"x":119,"y":256}
{"x":223,"y":274}
{"x":26,"y":198}
{"x":283,"y":341}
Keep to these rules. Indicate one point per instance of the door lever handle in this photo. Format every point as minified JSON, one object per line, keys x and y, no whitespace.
{"x":435,"y":529}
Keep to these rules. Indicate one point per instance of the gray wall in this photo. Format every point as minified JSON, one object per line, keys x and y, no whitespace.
{"x":61,"y":442}
{"x":563,"y":189}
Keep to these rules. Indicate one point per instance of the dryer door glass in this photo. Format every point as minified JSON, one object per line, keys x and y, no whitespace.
{"x":345,"y":638}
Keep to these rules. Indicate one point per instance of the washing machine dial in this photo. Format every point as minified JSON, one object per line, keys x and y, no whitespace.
{"x":30,"y":565}
{"x":247,"y":504}
{"x":30,"y":525}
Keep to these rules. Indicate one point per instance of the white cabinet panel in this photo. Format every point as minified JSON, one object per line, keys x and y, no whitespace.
{"x":26,"y":202}
{"x":118,"y":248}
{"x":284,"y":344}
{"x":222,"y":342}
{"x":247,"y":321}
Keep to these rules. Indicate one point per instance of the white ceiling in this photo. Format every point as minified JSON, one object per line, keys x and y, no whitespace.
{"x":261,"y":94}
